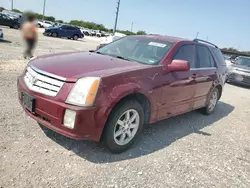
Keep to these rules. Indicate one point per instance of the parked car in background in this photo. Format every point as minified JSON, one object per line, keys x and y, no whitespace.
{"x":112,"y":92}
{"x":86,"y":32}
{"x":110,"y":39}
{"x":44,"y":24}
{"x":101,"y":34}
{"x":64,"y":31}
{"x":239,"y":71}
{"x":1,"y":34}
{"x":7,"y":21}
{"x":12,"y":15}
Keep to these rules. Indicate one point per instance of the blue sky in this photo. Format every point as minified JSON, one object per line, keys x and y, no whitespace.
{"x":224,"y":22}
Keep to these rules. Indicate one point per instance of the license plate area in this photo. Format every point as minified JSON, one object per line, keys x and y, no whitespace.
{"x":29,"y":102}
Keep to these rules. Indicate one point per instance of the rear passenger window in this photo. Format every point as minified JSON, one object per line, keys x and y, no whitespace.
{"x":187,"y":53}
{"x":204,"y":57}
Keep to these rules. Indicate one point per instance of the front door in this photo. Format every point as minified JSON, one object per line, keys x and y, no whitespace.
{"x":63,"y":31}
{"x":179,"y":87}
{"x":206,"y":74}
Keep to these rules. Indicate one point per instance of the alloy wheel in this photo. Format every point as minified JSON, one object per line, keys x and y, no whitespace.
{"x":126,"y":127}
{"x":213,"y":101}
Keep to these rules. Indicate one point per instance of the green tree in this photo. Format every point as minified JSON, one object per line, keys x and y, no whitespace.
{"x":126,"y":32}
{"x":1,"y":9}
{"x":50,"y":18}
{"x":141,"y":33}
{"x":59,"y":21}
{"x":18,"y":11}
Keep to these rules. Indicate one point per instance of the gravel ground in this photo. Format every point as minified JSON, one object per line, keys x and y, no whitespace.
{"x":190,"y":150}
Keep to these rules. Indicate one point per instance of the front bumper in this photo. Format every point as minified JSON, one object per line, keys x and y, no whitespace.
{"x":50,"y":113}
{"x":238,"y":78}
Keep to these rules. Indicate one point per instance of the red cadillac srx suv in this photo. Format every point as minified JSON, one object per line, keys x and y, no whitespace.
{"x":109,"y":94}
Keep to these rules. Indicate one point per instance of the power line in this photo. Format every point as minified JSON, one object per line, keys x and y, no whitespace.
{"x":116,"y":17}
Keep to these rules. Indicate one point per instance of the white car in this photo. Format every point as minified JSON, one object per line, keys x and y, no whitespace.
{"x":44,"y":23}
{"x":1,"y":34}
{"x":110,"y":39}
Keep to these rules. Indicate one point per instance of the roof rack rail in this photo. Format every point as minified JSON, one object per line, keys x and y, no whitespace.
{"x":203,"y":41}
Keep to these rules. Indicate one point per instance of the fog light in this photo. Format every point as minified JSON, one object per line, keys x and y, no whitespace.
{"x":69,"y":118}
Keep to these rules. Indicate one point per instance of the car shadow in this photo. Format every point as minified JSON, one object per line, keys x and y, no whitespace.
{"x":5,"y":41}
{"x":239,"y":85}
{"x":154,"y":137}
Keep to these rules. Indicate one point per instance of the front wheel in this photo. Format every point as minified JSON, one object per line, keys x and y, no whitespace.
{"x":54,"y":34}
{"x":123,"y":126}
{"x":212,"y":102}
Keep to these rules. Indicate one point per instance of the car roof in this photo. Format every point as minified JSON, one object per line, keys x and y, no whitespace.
{"x":178,"y":39}
{"x":164,"y":38}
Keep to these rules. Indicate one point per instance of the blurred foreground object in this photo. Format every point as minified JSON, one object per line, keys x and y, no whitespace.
{"x":29,"y":30}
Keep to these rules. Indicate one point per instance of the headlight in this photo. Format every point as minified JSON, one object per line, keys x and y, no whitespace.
{"x":84,"y":91}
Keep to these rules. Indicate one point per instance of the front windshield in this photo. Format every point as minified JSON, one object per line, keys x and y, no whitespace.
{"x":243,"y":61}
{"x":140,"y":49}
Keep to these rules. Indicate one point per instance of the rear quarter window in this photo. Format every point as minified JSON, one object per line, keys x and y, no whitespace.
{"x":218,"y":56}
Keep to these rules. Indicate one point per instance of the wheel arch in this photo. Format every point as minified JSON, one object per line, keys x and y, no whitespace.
{"x":220,"y":88}
{"x":142,"y":99}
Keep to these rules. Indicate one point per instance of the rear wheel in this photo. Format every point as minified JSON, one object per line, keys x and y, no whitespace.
{"x":212,"y":102}
{"x":123,"y":126}
{"x":54,"y":34}
{"x":75,"y":37}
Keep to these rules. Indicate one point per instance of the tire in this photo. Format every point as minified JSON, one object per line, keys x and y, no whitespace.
{"x":213,"y":98}
{"x":75,"y":37}
{"x":16,"y":26}
{"x":54,"y":35}
{"x":130,"y":129}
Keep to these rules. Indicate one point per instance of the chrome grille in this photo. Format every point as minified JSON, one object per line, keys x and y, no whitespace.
{"x":41,"y":83}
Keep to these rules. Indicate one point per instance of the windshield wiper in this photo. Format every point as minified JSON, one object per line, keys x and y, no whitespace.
{"x":120,"y":57}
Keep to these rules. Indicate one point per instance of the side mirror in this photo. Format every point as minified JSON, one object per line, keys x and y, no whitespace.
{"x":179,"y":65}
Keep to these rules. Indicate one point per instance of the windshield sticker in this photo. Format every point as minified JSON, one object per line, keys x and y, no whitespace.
{"x":157,"y":44}
{"x":151,"y":61}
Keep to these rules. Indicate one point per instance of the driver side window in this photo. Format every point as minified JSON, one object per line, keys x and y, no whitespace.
{"x":187,"y":53}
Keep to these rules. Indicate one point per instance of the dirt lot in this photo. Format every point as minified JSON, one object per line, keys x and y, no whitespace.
{"x":190,"y":150}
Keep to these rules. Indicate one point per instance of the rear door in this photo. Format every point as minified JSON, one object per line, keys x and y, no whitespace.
{"x":205,"y":75}
{"x":71,"y":31}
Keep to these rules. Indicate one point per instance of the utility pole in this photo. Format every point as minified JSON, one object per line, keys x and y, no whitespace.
{"x":44,"y":5}
{"x":116,"y":17}
{"x":11,"y":4}
{"x":132,"y":24}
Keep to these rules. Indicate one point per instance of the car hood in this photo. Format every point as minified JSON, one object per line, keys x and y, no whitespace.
{"x":73,"y":66}
{"x":241,"y":68}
